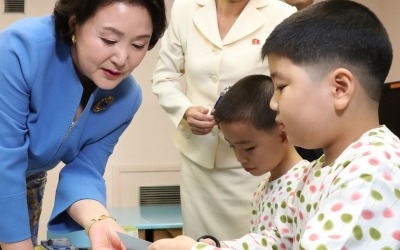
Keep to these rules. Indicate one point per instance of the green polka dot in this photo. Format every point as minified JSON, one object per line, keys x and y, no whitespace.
{"x":264,"y":242}
{"x":283,"y":205}
{"x":346,"y":218}
{"x":321,"y":247}
{"x":254,"y":212}
{"x":283,"y":219}
{"x":375,"y":234}
{"x":345,"y":164}
{"x":328,"y":225}
{"x":317,"y":173}
{"x":358,"y":233}
{"x":378,"y":143}
{"x":315,"y":205}
{"x":201,"y":246}
{"x":308,"y":207}
{"x":245,"y":246}
{"x":288,"y":189}
{"x":376,"y":195}
{"x":366,"y":177}
{"x":302,"y":198}
{"x":397,"y":193}
{"x":275,"y":247}
{"x":320,"y":217}
{"x":387,"y":248}
{"x":336,"y":181}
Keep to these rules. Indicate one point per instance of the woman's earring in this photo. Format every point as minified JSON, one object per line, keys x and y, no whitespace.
{"x":73,"y":39}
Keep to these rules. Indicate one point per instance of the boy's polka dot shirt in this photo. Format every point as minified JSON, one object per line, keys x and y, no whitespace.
{"x":353,"y":203}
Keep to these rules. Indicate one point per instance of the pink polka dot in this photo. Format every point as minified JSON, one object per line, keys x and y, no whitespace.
{"x":396,"y":235}
{"x":265,"y":218}
{"x":282,"y":246}
{"x":285,"y":230}
{"x":270,"y":224}
{"x":357,"y":145}
{"x":387,"y":176}
{"x":366,"y":153}
{"x":301,"y":216}
{"x":344,"y":248}
{"x":353,"y":168}
{"x":355,"y":196}
{"x":336,"y":207}
{"x":313,"y":237}
{"x":388,"y":156}
{"x":322,"y":187}
{"x":313,"y":189}
{"x":335,"y":236}
{"x":367,"y":214}
{"x":373,"y":162}
{"x":388,"y":213}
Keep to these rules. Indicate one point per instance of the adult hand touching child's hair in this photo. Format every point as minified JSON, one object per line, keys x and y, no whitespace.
{"x":200,"y":121}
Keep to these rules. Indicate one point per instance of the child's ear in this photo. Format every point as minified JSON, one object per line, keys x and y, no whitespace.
{"x":343,"y":86}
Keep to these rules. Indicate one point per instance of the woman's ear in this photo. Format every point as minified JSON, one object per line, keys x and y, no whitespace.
{"x":72,"y":24}
{"x":343,"y":82}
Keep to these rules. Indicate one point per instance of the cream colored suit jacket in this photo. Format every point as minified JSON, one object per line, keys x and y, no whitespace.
{"x":193,"y":47}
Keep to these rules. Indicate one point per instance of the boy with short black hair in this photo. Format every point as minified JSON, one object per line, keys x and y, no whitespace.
{"x":260,"y":145}
{"x":328,"y":63}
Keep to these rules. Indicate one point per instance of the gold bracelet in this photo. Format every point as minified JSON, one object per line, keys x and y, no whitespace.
{"x":94,"y":220}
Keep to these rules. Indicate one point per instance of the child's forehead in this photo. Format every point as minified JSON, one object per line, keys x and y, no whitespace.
{"x":238,"y":128}
{"x":282,"y":67}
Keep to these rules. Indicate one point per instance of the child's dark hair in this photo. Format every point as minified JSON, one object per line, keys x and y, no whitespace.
{"x":336,"y":33}
{"x":248,"y":101}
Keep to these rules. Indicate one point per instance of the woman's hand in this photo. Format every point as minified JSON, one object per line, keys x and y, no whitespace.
{"x":200,"y":120}
{"x":103,"y":235}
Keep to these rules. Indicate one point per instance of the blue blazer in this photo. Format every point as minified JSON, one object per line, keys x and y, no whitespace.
{"x":39,"y":96}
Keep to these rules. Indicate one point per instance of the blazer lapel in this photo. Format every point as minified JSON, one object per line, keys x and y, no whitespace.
{"x":248,"y":22}
{"x":205,"y":19}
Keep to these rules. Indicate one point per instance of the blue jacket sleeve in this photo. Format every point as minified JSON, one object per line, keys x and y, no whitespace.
{"x":18,"y":60}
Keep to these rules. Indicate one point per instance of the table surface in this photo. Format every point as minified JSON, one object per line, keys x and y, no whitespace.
{"x":149,"y":216}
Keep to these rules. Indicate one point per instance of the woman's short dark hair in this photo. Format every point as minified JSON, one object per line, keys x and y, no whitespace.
{"x":85,"y":9}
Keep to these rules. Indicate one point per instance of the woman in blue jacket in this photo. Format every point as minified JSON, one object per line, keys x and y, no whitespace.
{"x":66,"y":95}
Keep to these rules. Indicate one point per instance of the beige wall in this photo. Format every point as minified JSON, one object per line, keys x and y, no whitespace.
{"x":146,"y":145}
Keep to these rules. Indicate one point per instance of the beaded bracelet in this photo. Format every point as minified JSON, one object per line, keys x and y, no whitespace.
{"x":92,"y":221}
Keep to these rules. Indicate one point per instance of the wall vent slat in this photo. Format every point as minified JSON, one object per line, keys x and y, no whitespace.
{"x":159,"y":195}
{"x":14,"y":6}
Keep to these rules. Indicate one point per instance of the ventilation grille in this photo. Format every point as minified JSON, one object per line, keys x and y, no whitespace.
{"x":159,"y":195}
{"x":14,"y":6}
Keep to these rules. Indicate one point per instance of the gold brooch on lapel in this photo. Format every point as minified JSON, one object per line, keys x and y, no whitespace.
{"x":103,"y":103}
